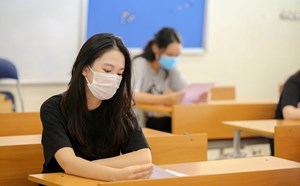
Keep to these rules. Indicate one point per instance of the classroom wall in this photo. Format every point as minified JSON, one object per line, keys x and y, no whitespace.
{"x":248,"y":45}
{"x":251,"y":44}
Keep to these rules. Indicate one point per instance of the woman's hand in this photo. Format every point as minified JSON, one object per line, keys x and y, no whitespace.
{"x":174,"y":98}
{"x":142,"y":171}
{"x":205,"y":97}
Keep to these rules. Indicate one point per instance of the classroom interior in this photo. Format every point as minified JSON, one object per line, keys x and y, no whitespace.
{"x":246,"y":45}
{"x":251,"y":45}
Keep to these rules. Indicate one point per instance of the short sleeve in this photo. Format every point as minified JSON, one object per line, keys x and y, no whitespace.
{"x":54,"y":136}
{"x":291,"y":92}
{"x":290,"y":95}
{"x":136,"y":141}
{"x":139,"y":66}
{"x":177,"y":82}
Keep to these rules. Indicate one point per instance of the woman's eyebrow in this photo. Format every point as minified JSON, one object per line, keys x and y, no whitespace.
{"x":110,"y":65}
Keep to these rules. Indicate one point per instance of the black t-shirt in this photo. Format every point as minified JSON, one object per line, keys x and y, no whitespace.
{"x":55,"y":136}
{"x":290,"y":95}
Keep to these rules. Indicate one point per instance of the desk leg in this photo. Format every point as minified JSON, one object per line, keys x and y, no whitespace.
{"x":237,"y":144}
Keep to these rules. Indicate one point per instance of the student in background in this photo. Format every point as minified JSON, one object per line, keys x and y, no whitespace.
{"x":155,"y":72}
{"x":288,"y":106}
{"x":90,"y":130}
{"x":289,"y":102}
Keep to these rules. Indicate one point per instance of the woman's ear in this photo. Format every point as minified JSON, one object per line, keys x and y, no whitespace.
{"x":84,"y":70}
{"x":155,"y":50}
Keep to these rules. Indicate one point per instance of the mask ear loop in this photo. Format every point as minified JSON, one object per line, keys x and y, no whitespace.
{"x":86,"y":76}
{"x":90,"y":68}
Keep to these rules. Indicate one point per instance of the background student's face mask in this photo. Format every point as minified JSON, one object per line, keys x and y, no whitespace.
{"x":168,"y":62}
{"x":104,"y":85}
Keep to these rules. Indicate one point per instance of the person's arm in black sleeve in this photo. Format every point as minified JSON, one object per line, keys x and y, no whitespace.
{"x":290,"y":99}
{"x":54,"y":136}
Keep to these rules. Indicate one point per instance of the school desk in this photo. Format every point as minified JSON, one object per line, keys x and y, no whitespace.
{"x":23,"y":154}
{"x":226,"y":93}
{"x":287,"y":142}
{"x":223,"y":93}
{"x":20,"y":123}
{"x":207,"y":118}
{"x":195,"y":118}
{"x":263,"y":128}
{"x":29,"y":123}
{"x":155,"y":133}
{"x":36,"y":138}
{"x":161,"y":109}
{"x":253,"y":171}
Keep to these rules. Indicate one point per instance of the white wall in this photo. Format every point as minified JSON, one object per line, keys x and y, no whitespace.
{"x":41,"y":37}
{"x":247,"y":45}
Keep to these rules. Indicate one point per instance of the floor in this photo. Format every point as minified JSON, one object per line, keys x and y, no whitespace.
{"x":250,"y":147}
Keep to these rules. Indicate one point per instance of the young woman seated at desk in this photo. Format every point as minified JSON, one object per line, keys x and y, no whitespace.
{"x":90,"y":130}
{"x":155,"y":72}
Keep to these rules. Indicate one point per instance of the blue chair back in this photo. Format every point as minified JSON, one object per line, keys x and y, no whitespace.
{"x":8,"y":69}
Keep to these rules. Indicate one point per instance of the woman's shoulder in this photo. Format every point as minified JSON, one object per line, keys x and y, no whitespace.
{"x":140,"y":65}
{"x":52,"y":102}
{"x":140,"y":61}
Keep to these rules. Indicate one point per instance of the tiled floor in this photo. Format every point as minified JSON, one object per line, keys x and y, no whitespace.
{"x":224,"y":150}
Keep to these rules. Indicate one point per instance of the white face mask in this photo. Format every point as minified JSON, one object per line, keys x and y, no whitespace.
{"x":104,"y":85}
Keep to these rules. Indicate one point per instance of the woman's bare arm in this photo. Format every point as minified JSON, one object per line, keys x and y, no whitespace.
{"x":142,"y":156}
{"x":74,"y":165}
{"x":291,"y":112}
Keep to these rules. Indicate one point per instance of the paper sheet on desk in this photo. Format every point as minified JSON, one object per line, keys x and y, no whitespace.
{"x":194,"y":91}
{"x":164,"y":173}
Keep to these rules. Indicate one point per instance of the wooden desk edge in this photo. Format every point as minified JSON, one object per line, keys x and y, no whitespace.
{"x":37,"y":178}
{"x":288,"y":167}
{"x":155,"y":108}
{"x":249,"y":130}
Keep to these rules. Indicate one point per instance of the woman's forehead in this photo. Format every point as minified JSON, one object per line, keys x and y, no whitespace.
{"x":113,"y":58}
{"x":173,"y":49}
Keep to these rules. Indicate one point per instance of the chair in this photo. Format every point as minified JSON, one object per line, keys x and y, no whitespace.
{"x":223,"y":93}
{"x":9,"y":71}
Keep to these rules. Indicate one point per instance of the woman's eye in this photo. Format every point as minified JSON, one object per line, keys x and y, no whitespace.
{"x":105,"y":70}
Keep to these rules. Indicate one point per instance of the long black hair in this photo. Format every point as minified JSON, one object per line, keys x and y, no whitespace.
{"x":119,"y":107}
{"x":163,"y":38}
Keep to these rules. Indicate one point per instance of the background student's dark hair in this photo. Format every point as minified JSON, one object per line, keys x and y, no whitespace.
{"x":119,"y":107}
{"x":297,"y":73}
{"x":162,"y":39}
